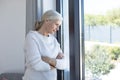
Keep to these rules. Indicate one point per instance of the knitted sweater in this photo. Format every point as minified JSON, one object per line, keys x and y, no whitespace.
{"x":37,"y":45}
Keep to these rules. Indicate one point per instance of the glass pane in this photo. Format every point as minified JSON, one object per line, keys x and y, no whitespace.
{"x":65,"y":36}
{"x":102,"y":44}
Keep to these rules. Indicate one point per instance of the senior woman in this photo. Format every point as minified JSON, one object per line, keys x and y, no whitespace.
{"x":43,"y":54}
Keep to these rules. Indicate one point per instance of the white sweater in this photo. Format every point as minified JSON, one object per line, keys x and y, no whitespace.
{"x":37,"y":45}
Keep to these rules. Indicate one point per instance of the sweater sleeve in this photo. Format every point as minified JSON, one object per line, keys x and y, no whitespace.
{"x":61,"y":63}
{"x":33,"y":57}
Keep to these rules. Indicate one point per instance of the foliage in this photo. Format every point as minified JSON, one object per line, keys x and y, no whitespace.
{"x":112,"y":18}
{"x":101,"y":20}
{"x":98,"y":61}
{"x":94,"y":20}
{"x":114,"y":52}
{"x":90,"y":20}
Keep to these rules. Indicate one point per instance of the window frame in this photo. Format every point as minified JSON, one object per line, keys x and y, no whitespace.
{"x":76,"y":38}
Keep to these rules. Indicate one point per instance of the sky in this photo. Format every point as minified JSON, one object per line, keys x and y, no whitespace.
{"x":100,"y":6}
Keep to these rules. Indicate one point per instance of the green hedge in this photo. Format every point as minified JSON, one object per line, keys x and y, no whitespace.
{"x":98,"y":59}
{"x":114,"y":52}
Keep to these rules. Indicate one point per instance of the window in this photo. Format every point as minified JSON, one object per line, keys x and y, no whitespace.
{"x":73,"y":42}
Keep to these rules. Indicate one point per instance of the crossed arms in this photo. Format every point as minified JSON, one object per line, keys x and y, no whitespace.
{"x":52,"y":61}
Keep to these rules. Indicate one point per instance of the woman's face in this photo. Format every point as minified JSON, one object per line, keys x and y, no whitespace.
{"x":53,"y":26}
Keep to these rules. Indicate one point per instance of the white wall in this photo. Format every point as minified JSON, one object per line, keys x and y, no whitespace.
{"x":12,"y":33}
{"x":16,"y":18}
{"x":48,"y":4}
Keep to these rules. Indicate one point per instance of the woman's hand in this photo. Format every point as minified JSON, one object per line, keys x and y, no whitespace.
{"x":51,"y":67}
{"x":46,"y":59}
{"x":49,"y":60}
{"x":60,"y":56}
{"x":52,"y":61}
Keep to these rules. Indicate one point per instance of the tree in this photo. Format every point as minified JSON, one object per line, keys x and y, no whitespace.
{"x":90,"y":20}
{"x":95,"y":20}
{"x":113,"y":17}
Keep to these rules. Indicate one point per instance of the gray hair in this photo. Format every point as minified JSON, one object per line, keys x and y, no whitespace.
{"x":50,"y":15}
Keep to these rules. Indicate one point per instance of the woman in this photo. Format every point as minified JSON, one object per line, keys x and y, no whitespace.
{"x":42,"y":51}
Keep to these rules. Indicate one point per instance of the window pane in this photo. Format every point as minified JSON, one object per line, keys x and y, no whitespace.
{"x":65,"y":36}
{"x":102,"y":45}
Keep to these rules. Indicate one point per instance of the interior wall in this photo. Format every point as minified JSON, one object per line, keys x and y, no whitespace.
{"x":48,"y":4}
{"x":12,"y":34}
{"x":17,"y":17}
